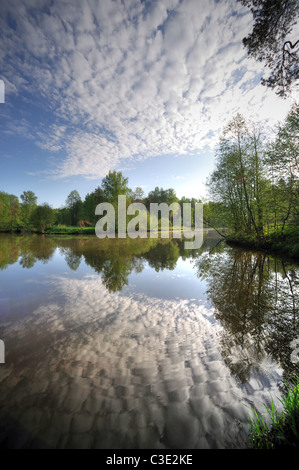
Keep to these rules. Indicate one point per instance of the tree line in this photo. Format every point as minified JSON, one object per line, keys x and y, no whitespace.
{"x":255,"y":184}
{"x":26,"y":214}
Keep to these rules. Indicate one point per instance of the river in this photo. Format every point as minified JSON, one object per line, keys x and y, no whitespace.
{"x":131,"y":344}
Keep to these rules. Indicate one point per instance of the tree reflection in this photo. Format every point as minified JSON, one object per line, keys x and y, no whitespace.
{"x":256,"y":300}
{"x":9,"y":250}
{"x":27,"y":249}
{"x":115,"y":273}
{"x":163,"y":256}
{"x":72,"y":259}
{"x":255,"y":296}
{"x":113,"y":259}
{"x":35,"y":248}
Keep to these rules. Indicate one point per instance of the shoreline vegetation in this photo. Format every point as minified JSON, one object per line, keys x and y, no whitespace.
{"x":286,"y":244}
{"x":283,"y":430}
{"x":254,"y":187}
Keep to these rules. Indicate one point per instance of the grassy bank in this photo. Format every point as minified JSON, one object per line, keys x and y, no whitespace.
{"x":69,"y":230}
{"x":74,"y":230}
{"x":286,"y":244}
{"x":55,"y":229}
{"x":284,"y":430}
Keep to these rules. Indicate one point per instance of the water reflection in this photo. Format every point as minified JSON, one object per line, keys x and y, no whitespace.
{"x":92,"y":363}
{"x":114,"y":260}
{"x":256,"y":299}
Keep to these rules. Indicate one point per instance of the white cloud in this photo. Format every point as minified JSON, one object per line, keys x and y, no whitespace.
{"x":98,"y":343}
{"x":133,"y":79}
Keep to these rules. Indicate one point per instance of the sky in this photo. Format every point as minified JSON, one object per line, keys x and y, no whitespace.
{"x":138,"y":86}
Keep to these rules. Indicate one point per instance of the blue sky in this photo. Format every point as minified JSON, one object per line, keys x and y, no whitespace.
{"x":144,"y":87}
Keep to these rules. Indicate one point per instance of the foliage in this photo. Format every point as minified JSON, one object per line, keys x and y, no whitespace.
{"x":76,"y":213}
{"x":62,"y":229}
{"x":255,"y":184}
{"x":284,"y":430}
{"x":237,"y":181}
{"x":282,"y":160}
{"x":137,"y":195}
{"x":113,"y":185}
{"x":29,"y":202}
{"x":74,"y":205}
{"x":159,"y":195}
{"x":270,"y":41}
{"x":9,"y":211}
{"x":42,"y":217}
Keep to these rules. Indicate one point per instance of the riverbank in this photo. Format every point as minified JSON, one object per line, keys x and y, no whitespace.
{"x":54,"y":230}
{"x":284,"y":430}
{"x":285,"y":245}
{"x":69,"y":230}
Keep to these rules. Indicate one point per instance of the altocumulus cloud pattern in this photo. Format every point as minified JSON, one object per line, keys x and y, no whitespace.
{"x":127,"y":371}
{"x":127,"y":80}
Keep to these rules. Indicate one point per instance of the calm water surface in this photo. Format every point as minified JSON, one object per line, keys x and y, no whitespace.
{"x":140,"y":343}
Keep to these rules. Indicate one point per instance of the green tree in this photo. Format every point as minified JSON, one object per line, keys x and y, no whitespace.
{"x":159,"y":195}
{"x":4,"y":210}
{"x":98,"y":195}
{"x":237,"y":180}
{"x":88,"y":208}
{"x":89,"y":204}
{"x":42,"y":217}
{"x":137,"y":195}
{"x":9,"y":211}
{"x":74,"y":205}
{"x":113,"y":185}
{"x":63,"y":216}
{"x":29,"y":200}
{"x":270,"y":42}
{"x":282,"y":160}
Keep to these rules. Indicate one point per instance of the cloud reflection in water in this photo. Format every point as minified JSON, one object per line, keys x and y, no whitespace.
{"x":102,"y":369}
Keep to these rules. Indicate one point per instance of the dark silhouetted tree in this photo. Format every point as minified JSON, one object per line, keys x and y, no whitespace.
{"x":270,"y":41}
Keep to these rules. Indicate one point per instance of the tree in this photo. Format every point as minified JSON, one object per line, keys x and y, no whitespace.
{"x":74,"y":204}
{"x":4,"y":210}
{"x":137,"y":195}
{"x":270,"y":42}
{"x":282,"y":160}
{"x":89,"y":204}
{"x":113,"y":185}
{"x":237,"y":180}
{"x":88,"y":208}
{"x":63,"y":216}
{"x":29,"y":200}
{"x":9,"y":211}
{"x":159,"y":195}
{"x":42,"y":217}
{"x":14,"y":211}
